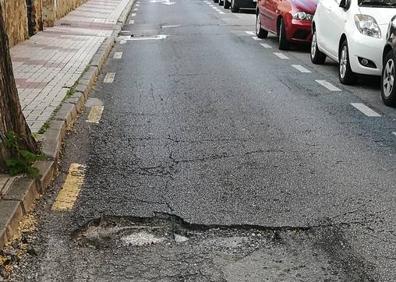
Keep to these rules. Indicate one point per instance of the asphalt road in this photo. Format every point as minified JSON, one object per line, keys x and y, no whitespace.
{"x":217,"y":160}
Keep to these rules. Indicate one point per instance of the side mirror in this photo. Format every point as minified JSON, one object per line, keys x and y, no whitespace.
{"x":344,"y":4}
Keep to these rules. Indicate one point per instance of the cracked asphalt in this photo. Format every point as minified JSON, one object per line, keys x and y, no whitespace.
{"x":267,"y":175}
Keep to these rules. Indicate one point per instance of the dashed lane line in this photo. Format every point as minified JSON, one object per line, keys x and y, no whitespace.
{"x":394,"y":133}
{"x":328,"y":85}
{"x":256,"y":38}
{"x":266,"y":46}
{"x":250,"y":32}
{"x":171,"y":26}
{"x":71,"y":188}
{"x":365,"y":110}
{"x":281,"y":56}
{"x":302,"y":69}
{"x":136,"y":9}
{"x":142,"y":38}
{"x":95,"y":114}
{"x":132,"y":22}
{"x":133,"y":15}
{"x":109,"y":78}
{"x":117,"y":55}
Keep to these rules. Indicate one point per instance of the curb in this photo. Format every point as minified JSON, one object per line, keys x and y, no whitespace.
{"x":22,"y":192}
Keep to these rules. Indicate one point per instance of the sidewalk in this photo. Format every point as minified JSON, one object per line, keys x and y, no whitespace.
{"x":46,"y":67}
{"x":48,"y":64}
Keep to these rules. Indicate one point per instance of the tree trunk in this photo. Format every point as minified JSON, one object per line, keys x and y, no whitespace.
{"x":11,"y":116}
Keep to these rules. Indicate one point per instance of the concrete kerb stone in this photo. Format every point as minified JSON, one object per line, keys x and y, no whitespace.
{"x":24,"y":190}
{"x":21,"y":196}
{"x":68,"y":114}
{"x":11,"y":213}
{"x":47,"y":170}
{"x":78,"y":99}
{"x":52,"y":139}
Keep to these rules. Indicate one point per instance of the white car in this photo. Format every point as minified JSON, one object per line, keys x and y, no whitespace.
{"x":353,"y":33}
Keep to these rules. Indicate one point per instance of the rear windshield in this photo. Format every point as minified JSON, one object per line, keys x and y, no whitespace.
{"x":377,"y":3}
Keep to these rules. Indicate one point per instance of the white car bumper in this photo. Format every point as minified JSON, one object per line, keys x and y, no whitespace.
{"x":370,"y":48}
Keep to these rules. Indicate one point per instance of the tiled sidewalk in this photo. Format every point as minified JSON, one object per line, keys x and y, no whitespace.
{"x":49,"y":63}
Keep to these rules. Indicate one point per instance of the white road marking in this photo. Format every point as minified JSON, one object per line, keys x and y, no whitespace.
{"x":165,"y":2}
{"x":250,"y":32}
{"x":136,"y":9}
{"x":266,"y":46}
{"x":256,"y":38}
{"x":365,"y":110}
{"x":394,"y":133}
{"x":132,"y":22}
{"x":142,"y":38}
{"x":171,"y":26}
{"x":117,"y":55}
{"x":328,"y":85}
{"x":221,"y":13}
{"x":137,"y":5}
{"x":301,"y":69}
{"x":122,"y":41}
{"x":133,"y":15}
{"x":281,"y":56}
{"x":109,"y":78}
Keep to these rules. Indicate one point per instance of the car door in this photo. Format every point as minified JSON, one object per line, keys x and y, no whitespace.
{"x":337,"y":24}
{"x":268,"y":14}
{"x":322,"y":22}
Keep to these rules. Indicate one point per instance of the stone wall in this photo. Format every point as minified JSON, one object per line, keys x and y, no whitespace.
{"x":24,"y":18}
{"x":16,"y":21}
{"x":56,"y":9}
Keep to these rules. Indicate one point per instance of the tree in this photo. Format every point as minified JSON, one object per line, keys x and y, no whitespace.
{"x":12,"y":121}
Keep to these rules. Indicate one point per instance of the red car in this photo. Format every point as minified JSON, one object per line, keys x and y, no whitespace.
{"x":289,"y":19}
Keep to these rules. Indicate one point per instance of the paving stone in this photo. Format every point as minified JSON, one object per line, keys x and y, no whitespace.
{"x":60,"y":54}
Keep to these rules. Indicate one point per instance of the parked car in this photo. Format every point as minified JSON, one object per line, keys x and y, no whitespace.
{"x":236,"y":5}
{"x":388,"y":87}
{"x":353,"y":33}
{"x":291,"y":20}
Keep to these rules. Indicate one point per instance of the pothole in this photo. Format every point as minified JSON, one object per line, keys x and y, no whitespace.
{"x":142,"y":239}
{"x":165,"y":246}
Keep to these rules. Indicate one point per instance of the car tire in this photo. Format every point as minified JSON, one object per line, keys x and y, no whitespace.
{"x":388,"y":80}
{"x":226,"y":4}
{"x":283,"y":43}
{"x":317,"y":57}
{"x":234,"y":6}
{"x":221,"y":2}
{"x":345,"y":73}
{"x":260,"y":32}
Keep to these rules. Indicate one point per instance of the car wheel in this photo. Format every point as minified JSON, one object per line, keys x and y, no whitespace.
{"x":388,"y":89}
{"x":226,"y":4}
{"x":283,"y":43}
{"x":317,"y":57}
{"x":260,"y":32}
{"x":346,"y":75}
{"x":234,"y":6}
